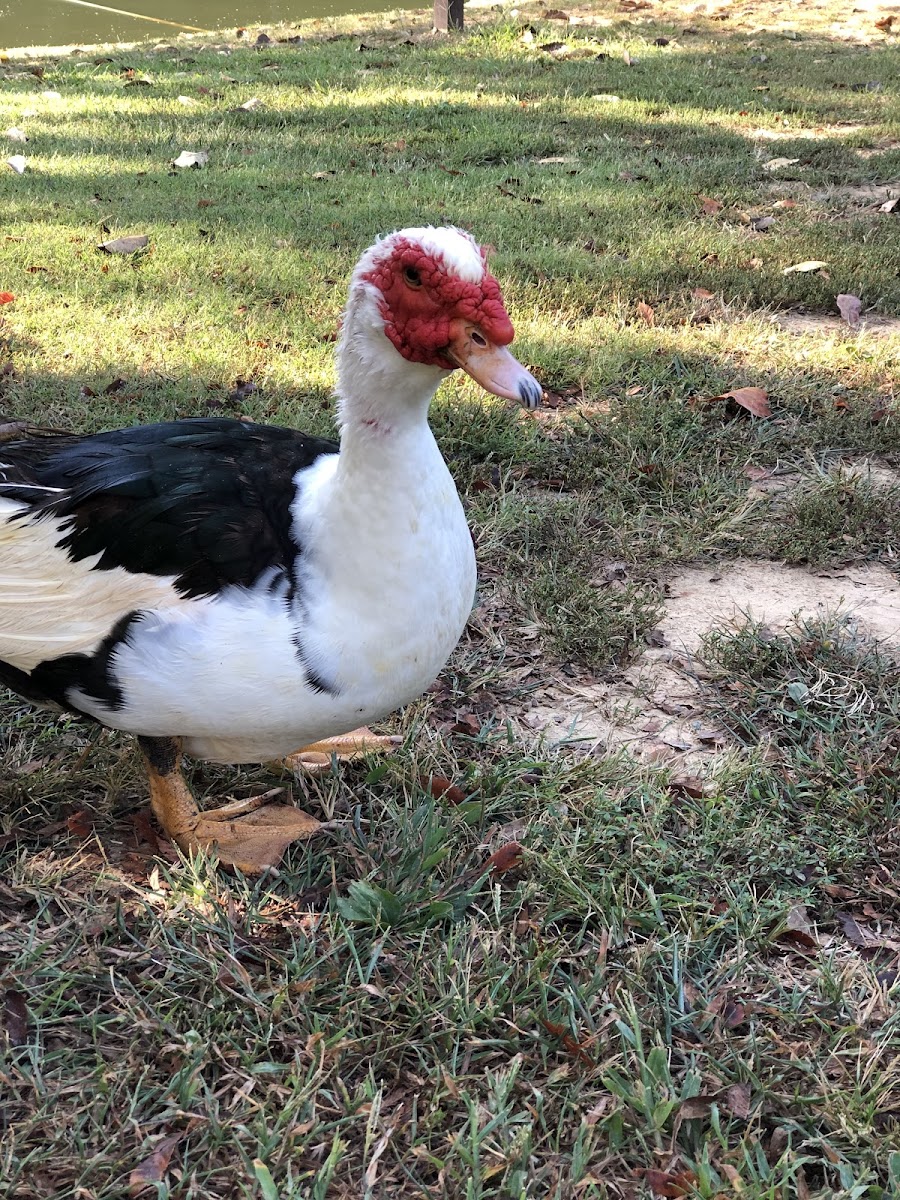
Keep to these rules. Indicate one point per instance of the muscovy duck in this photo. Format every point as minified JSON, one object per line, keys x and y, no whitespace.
{"x":239,"y":591}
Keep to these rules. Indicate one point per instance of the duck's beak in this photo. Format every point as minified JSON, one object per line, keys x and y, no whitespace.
{"x":491,"y":365}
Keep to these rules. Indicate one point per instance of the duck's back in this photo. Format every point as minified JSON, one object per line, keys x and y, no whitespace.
{"x":96,"y":532}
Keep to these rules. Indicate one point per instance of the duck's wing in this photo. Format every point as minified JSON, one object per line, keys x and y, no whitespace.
{"x":96,"y":531}
{"x":204,"y":502}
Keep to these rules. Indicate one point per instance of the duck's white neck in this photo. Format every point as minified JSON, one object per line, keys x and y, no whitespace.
{"x":381,"y":396}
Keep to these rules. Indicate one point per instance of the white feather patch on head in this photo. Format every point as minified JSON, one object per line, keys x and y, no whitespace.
{"x":457,"y":249}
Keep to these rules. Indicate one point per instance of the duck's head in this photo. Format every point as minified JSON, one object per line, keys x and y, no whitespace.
{"x":427,"y":295}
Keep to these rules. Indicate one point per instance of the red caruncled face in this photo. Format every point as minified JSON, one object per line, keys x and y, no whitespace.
{"x":420,"y":299}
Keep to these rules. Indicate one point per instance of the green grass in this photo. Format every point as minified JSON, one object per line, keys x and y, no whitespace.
{"x":689,"y":981}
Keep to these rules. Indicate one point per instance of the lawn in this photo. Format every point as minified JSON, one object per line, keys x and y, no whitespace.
{"x":580,"y":972}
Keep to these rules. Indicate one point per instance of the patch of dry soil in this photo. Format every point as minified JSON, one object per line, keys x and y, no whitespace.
{"x":824,"y":323}
{"x":655,"y":710}
{"x":870,"y":470}
{"x":818,"y":133}
{"x":865,"y":195}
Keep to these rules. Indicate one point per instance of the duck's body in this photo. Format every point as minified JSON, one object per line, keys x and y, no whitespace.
{"x":248,"y":633}
{"x":244,"y":591}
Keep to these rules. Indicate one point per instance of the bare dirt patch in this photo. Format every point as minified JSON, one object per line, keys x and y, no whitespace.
{"x":874,"y":471}
{"x":841,"y":197}
{"x":816,"y":134}
{"x":822,"y":324}
{"x":871,"y":470}
{"x":701,"y":599}
{"x":863,"y":194}
{"x":882,"y":147}
{"x":655,"y":710}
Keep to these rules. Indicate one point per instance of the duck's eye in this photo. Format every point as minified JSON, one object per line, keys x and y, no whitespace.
{"x":412,"y":277}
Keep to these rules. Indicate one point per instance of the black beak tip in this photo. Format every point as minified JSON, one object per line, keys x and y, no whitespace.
{"x":530,"y":392}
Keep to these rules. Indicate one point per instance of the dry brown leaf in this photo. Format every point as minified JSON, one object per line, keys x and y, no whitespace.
{"x":852,"y":931}
{"x":688,"y":785}
{"x":695,"y":1107}
{"x":507,"y":858}
{"x":450,"y":1084}
{"x":15,"y":1017}
{"x":737,"y":1100}
{"x":143,"y":827}
{"x":80,"y":824}
{"x":850,"y":307}
{"x":710,"y":206}
{"x":797,"y":939}
{"x":646,"y":313}
{"x":858,"y":933}
{"x":466,"y":723}
{"x":442,"y":789}
{"x":733,"y":1014}
{"x":575,"y":1048}
{"x":754,"y":399}
{"x":798,"y":918}
{"x":153,"y":1168}
{"x":702,"y":294}
{"x":838,"y":891}
{"x":670,"y":1183}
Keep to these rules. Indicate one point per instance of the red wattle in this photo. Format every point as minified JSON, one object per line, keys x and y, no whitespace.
{"x":417,"y":319}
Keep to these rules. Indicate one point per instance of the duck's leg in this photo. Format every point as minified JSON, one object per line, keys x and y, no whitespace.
{"x":247,"y":834}
{"x":315,"y":759}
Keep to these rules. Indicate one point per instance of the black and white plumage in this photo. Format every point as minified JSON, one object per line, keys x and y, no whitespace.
{"x":125,"y":529}
{"x":246,"y":589}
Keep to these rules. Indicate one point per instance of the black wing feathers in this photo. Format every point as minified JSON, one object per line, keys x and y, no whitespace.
{"x":205,"y":500}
